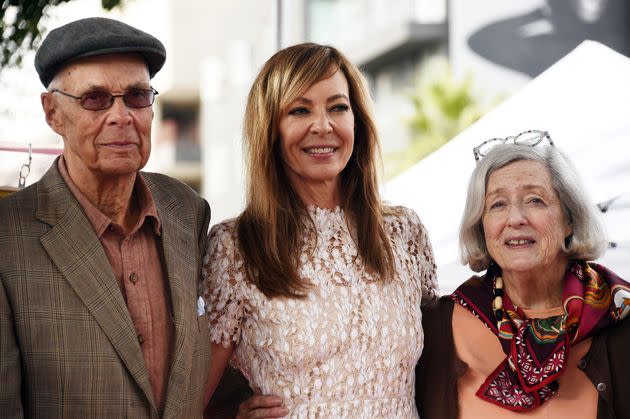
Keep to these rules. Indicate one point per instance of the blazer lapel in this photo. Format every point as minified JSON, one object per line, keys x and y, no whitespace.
{"x":177,"y":237}
{"x":79,"y":256}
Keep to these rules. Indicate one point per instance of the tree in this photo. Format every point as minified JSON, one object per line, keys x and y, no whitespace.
{"x":21,"y":28}
{"x":443,"y":107}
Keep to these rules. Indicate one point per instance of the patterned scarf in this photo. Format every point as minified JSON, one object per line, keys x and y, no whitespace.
{"x":537,"y":350}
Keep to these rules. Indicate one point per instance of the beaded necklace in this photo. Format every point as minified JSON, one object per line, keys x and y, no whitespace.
{"x":497,"y":307}
{"x":497,"y":302}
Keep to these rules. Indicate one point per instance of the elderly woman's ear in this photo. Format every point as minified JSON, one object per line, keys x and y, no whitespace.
{"x":568,"y":236}
{"x":569,"y":229}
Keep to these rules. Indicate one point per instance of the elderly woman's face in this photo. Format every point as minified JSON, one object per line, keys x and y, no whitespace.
{"x":317,"y":134}
{"x":523,"y":221}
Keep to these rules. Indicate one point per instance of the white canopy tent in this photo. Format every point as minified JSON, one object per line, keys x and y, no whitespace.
{"x":582,"y":101}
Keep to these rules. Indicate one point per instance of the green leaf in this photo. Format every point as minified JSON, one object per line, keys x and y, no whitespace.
{"x":443,"y":107}
{"x":24,"y":31}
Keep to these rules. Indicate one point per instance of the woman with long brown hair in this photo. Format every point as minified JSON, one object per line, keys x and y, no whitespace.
{"x":314,"y":291}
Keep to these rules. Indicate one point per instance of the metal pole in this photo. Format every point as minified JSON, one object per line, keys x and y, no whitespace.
{"x":279,"y":25}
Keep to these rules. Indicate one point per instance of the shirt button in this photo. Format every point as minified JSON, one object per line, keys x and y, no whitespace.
{"x":133,"y":278}
{"x":582,"y":364}
{"x":140,"y":339}
{"x":601,"y":387}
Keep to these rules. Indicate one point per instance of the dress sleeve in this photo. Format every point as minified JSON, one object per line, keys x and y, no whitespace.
{"x":420,"y":246}
{"x":223,"y":285}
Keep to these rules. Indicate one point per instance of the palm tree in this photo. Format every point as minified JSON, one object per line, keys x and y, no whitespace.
{"x":443,"y":106}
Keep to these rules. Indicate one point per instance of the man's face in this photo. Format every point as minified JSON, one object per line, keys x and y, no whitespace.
{"x":113,"y":142}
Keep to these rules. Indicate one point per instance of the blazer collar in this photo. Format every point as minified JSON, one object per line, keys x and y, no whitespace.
{"x":84,"y":264}
{"x":78,"y":254}
{"x":177,"y":237}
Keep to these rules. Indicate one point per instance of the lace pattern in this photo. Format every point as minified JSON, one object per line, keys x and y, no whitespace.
{"x":349,"y":348}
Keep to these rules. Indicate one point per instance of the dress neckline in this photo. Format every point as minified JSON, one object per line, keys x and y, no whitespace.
{"x":315,"y":210}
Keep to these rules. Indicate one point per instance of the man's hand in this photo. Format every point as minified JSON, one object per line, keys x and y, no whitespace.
{"x":259,"y":407}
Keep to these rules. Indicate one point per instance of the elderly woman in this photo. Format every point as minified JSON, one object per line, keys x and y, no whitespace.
{"x":541,"y":334}
{"x":314,"y":291}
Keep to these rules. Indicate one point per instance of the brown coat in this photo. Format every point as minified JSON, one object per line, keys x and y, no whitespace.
{"x":607,"y":365}
{"x":67,"y":344}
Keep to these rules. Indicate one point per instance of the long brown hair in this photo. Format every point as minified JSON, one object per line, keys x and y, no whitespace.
{"x":270,"y":227}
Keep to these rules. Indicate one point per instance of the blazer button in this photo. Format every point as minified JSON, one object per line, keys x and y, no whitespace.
{"x":582,"y":364}
{"x":141,"y":340}
{"x":133,"y":278}
{"x":601,"y":387}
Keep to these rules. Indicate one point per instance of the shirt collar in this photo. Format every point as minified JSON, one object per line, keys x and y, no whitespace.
{"x":100,"y":222}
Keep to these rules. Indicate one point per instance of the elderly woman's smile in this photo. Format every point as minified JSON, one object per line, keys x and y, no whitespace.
{"x":519,"y":242}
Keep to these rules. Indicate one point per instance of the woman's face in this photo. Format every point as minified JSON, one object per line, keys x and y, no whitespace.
{"x":523,"y":221}
{"x":317,"y":134}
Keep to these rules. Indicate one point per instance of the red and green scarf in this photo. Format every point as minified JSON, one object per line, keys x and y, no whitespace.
{"x":537,"y":350}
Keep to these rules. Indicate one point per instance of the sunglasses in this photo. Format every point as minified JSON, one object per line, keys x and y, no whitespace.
{"x":530,"y":138}
{"x":98,"y":100}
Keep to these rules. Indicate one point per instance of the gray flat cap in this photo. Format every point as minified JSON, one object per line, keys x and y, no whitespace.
{"x":95,"y":36}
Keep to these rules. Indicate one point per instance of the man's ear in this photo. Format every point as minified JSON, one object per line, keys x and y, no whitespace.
{"x":53,"y":117}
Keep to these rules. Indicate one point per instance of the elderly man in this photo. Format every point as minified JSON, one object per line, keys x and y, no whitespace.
{"x":99,"y":262}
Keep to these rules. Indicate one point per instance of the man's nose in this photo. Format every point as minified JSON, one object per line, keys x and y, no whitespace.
{"x":119,"y":112}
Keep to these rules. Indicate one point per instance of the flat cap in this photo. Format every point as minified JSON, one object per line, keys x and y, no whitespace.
{"x":95,"y":36}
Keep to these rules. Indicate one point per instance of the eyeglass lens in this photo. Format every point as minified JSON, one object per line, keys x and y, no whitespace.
{"x":135,"y":98}
{"x":529,"y":138}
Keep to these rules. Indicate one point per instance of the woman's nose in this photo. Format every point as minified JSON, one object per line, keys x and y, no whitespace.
{"x":321,"y":124}
{"x":516,"y":215}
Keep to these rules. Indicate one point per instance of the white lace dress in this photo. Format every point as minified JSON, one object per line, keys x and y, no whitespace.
{"x":350,"y":348}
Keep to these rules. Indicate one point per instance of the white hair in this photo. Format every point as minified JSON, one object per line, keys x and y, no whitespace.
{"x":587,"y":240}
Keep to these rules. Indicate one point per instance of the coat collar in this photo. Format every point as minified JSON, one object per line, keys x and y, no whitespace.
{"x":83,"y":262}
{"x":177,"y":237}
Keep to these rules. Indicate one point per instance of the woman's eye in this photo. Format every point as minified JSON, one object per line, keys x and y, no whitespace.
{"x":298,"y":111}
{"x":497,"y":205}
{"x":536,"y":200}
{"x":340,"y":108}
